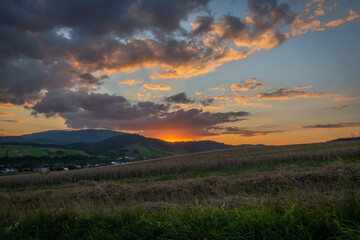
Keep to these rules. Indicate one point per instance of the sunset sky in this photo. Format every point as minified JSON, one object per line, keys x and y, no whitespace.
{"x":238,"y":72}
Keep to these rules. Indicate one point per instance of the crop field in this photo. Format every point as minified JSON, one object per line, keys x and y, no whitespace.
{"x":13,"y":151}
{"x":308,"y":191}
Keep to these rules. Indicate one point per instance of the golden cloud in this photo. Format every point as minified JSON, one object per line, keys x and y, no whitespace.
{"x":129,"y":82}
{"x":301,"y":26}
{"x":5,"y":114}
{"x":8,"y":105}
{"x":158,"y":87}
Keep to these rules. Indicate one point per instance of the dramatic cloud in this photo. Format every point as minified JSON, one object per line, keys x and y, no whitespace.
{"x":55,"y":54}
{"x":248,"y":84}
{"x":301,"y":26}
{"x":48,"y":45}
{"x":179,"y":98}
{"x":97,"y":17}
{"x":84,"y":110}
{"x":332,"y":125}
{"x":130,"y":82}
{"x":158,"y":87}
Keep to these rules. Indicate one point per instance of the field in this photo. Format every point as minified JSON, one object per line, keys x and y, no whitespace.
{"x":285,"y":192}
{"x":13,"y":151}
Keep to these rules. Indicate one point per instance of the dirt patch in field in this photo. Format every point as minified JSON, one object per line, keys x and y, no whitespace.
{"x":16,"y":151}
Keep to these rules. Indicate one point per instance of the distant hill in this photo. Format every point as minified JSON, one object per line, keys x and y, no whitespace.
{"x":63,"y":137}
{"x":138,"y":143}
{"x":114,"y":144}
{"x":346,"y":139}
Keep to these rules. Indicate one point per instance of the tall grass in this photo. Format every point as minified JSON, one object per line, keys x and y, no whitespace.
{"x":204,"y":161}
{"x":297,"y":220}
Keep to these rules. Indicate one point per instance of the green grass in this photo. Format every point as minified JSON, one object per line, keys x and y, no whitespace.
{"x":148,"y":152}
{"x":37,"y":151}
{"x":73,"y":152}
{"x":11,"y":153}
{"x":296,"y":220}
{"x":2,"y":152}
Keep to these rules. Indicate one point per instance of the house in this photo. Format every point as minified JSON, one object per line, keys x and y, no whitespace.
{"x":44,"y":170}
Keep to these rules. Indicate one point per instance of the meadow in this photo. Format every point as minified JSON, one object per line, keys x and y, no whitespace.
{"x":308,"y":191}
{"x":13,"y":151}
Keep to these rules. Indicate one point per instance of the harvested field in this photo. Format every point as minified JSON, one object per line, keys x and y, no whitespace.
{"x":320,"y":180}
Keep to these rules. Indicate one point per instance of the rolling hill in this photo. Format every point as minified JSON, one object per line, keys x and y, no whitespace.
{"x":62,"y":137}
{"x":113,"y":143}
{"x":153,"y":147}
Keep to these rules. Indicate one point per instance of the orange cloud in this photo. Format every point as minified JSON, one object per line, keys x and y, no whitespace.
{"x":302,"y":87}
{"x":143,"y":97}
{"x":7,"y":105}
{"x":301,"y":26}
{"x":249,"y":102}
{"x":129,"y":82}
{"x":158,"y":87}
{"x":223,"y":98}
{"x":198,"y":93}
{"x":201,"y":65}
{"x":5,"y":114}
{"x":343,"y":98}
{"x":248,"y":84}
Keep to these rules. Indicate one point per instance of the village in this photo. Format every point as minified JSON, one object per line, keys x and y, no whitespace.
{"x":68,"y":167}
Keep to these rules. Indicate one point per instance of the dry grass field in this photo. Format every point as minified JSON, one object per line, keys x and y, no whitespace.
{"x":325,"y":175}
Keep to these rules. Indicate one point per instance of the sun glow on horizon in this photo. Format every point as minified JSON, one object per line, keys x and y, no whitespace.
{"x":172,"y":135}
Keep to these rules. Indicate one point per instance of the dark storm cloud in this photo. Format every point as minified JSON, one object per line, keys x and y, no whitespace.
{"x":37,"y":38}
{"x":97,"y":17}
{"x":202,"y":25}
{"x":179,"y":98}
{"x":90,"y":34}
{"x":207,"y":102}
{"x":91,"y":79}
{"x":286,"y":93}
{"x":81,"y":109}
{"x":22,"y":81}
{"x":332,"y":125}
{"x":48,"y":48}
{"x":243,"y":132}
{"x":182,"y":98}
{"x":267,"y":13}
{"x":266,"y":17}
{"x":233,"y":27}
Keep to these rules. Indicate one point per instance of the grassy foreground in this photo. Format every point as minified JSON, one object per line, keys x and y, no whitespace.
{"x":289,"y":192}
{"x":297,"y":221}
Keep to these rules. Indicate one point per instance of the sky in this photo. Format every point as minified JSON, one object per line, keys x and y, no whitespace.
{"x":238,"y":72}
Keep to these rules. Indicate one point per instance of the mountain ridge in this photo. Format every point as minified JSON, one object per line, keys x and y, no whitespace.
{"x":62,"y":137}
{"x":115,"y":144}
